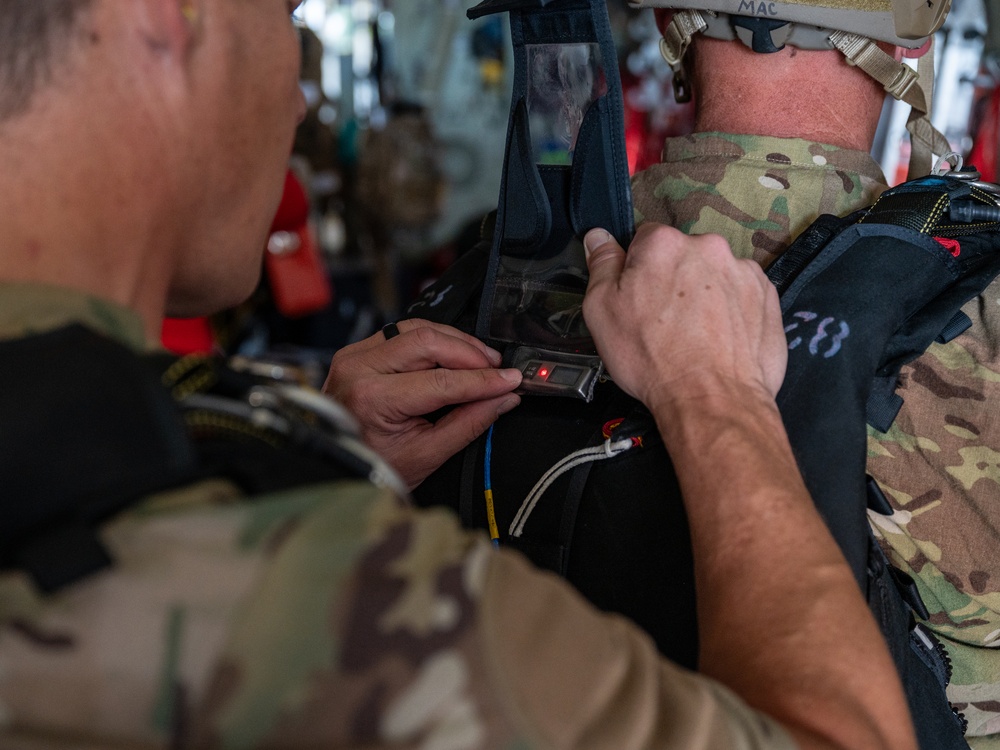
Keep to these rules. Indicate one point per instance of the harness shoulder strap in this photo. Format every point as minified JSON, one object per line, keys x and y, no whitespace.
{"x":79,"y":449}
{"x":88,"y":431}
{"x":859,"y":299}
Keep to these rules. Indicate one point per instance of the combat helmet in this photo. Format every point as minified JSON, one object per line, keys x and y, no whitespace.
{"x":851,"y":26}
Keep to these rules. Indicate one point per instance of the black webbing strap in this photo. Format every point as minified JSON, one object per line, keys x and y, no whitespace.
{"x":87,"y":430}
{"x":858,"y":302}
{"x":544,"y":208}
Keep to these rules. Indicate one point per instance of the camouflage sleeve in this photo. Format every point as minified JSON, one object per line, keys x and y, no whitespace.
{"x":427,"y":637}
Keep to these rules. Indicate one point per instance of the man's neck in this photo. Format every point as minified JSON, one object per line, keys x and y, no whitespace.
{"x":794,"y":93}
{"x":74,"y":220}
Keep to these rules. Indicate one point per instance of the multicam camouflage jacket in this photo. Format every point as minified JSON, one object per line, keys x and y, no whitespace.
{"x":324,"y":616}
{"x":757,"y":192}
{"x":939,"y":465}
{"x":940,"y":462}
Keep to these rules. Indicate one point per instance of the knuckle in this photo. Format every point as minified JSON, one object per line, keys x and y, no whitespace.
{"x":337,"y":364}
{"x":654,"y":229}
{"x":662,"y":235}
{"x":424,"y":335}
{"x":442,"y":379}
{"x":592,"y":303}
{"x":476,"y":428}
{"x":604,"y":254}
{"x":715,"y":246}
{"x":336,"y":381}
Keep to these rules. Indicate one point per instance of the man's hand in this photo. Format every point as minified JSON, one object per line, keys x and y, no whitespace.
{"x":679,"y":318}
{"x":697,"y":336}
{"x":390,"y":385}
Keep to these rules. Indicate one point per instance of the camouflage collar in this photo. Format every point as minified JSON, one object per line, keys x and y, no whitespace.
{"x":27,"y":309}
{"x":785,"y":152}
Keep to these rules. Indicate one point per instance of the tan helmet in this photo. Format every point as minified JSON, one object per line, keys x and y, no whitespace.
{"x":850,"y":26}
{"x":907,"y":23}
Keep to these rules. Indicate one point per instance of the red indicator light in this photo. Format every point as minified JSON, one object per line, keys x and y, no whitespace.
{"x":543,"y":373}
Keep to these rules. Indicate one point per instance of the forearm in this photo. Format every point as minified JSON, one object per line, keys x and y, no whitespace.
{"x":781,"y":619}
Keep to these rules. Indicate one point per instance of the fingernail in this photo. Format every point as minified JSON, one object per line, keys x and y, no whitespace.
{"x":594,"y":239}
{"x":511,"y":375}
{"x":495,"y":357}
{"x":507,"y":404}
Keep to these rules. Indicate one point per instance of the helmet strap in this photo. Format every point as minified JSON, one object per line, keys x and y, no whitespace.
{"x":911,"y":87}
{"x":673,"y":46}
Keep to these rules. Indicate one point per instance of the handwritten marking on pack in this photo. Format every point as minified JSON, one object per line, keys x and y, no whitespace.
{"x":440,"y":298}
{"x":806,"y":316}
{"x":428,"y":299}
{"x":822,"y":341}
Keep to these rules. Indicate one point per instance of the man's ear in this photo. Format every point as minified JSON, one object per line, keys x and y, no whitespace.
{"x":914,"y":53}
{"x":170,"y":27}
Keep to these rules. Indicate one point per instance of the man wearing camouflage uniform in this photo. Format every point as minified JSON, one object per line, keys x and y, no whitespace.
{"x":144,"y":145}
{"x":938,"y":463}
{"x":782,"y":138}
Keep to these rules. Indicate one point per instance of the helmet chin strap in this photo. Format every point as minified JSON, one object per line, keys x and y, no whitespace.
{"x":912,"y":87}
{"x":674,"y":44}
{"x":915,"y":88}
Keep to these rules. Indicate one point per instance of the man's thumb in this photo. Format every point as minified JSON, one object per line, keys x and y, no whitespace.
{"x":605,"y":257}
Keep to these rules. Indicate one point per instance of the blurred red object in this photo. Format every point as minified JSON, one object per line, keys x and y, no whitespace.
{"x":295,"y":271}
{"x":985,"y":137}
{"x":187,"y":336}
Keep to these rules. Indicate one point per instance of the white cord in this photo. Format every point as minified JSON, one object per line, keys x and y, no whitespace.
{"x":578,"y":458}
{"x":951,"y":158}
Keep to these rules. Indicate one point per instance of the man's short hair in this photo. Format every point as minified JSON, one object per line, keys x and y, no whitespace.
{"x":34,"y":33}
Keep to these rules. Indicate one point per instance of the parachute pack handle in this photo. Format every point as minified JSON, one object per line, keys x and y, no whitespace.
{"x":601,"y":160}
